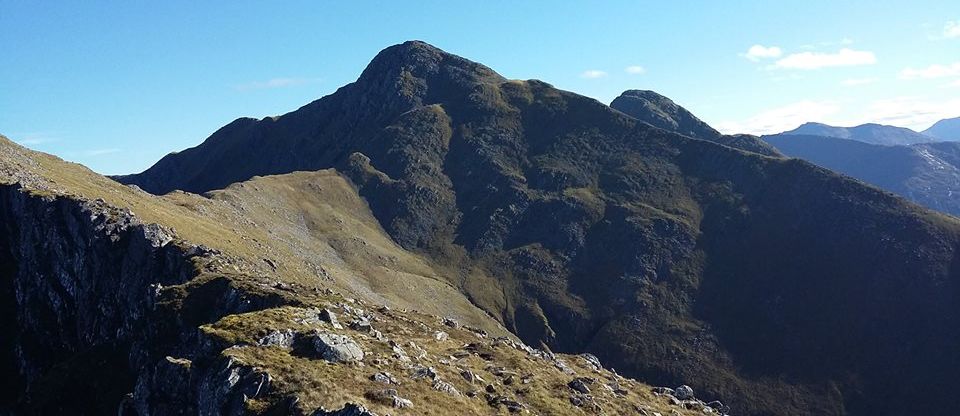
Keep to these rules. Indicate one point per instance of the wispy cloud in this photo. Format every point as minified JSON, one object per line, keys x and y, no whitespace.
{"x":101,"y":152}
{"x":275,"y":83}
{"x":951,"y":30}
{"x":781,"y":119}
{"x":815,"y":60}
{"x":635,"y":70}
{"x":854,"y":82}
{"x":912,"y":112}
{"x":932,"y":71}
{"x":758,"y":52}
{"x":829,"y":43}
{"x":34,"y":139}
{"x":593,"y":74}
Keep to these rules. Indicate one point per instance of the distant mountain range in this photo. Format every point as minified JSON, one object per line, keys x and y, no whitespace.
{"x":948,"y":129}
{"x":867,"y":133}
{"x":923,"y":167}
{"x":926,"y":173}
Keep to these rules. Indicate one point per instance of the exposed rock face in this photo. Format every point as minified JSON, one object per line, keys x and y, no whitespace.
{"x":662,"y":112}
{"x":82,"y":285}
{"x":81,"y":279}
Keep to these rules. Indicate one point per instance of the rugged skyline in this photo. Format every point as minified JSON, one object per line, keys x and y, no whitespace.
{"x":118,"y":86}
{"x":583,"y":228}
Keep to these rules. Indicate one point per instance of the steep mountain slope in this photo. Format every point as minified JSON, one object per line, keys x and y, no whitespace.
{"x":107,"y":312}
{"x":769,"y":283}
{"x":662,"y":112}
{"x":947,"y":130}
{"x":867,"y":133}
{"x":928,"y":174}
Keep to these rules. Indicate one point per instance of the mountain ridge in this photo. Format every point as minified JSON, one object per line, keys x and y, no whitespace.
{"x":584,"y":229}
{"x":947,"y":129}
{"x":868,"y":133}
{"x":237,"y":327}
{"x":660,"y":111}
{"x":926,"y":173}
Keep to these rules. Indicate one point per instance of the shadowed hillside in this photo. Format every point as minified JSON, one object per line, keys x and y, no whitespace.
{"x":260,"y":299}
{"x":770,"y":283}
{"x":927,"y":173}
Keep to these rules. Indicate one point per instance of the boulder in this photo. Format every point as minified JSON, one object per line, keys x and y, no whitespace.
{"x":326,"y":315}
{"x":283,"y":339}
{"x":361,"y":325}
{"x":337,"y":348}
{"x":592,"y":361}
{"x":683,"y":392}
{"x":443,"y":386}
{"x":349,"y":409}
{"x":581,"y":384}
{"x":384,"y":377}
{"x":389,"y":397}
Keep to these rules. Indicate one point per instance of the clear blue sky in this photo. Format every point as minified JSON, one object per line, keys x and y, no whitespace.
{"x":118,"y":85}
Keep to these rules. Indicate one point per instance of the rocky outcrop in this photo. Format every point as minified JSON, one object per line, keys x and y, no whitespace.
{"x":81,"y":277}
{"x":85,"y":294}
{"x":336,"y":348}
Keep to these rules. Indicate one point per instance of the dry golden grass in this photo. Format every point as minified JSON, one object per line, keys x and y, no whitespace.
{"x":317,"y":383}
{"x":325,"y":237}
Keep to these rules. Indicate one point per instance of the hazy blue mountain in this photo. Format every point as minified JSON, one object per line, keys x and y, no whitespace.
{"x":926,"y":173}
{"x":868,"y":133}
{"x":948,"y":130}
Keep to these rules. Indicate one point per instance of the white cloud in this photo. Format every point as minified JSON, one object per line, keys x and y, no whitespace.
{"x":951,"y":30}
{"x":635,"y":69}
{"x":593,"y":74}
{"x":932,"y":71}
{"x":853,"y":82}
{"x":100,"y":152}
{"x":758,"y":52}
{"x":954,"y":84}
{"x":781,"y":119}
{"x":275,"y":83}
{"x":815,"y":60}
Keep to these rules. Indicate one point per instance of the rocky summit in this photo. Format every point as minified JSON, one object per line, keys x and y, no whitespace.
{"x":437,"y":239}
{"x":659,"y":111}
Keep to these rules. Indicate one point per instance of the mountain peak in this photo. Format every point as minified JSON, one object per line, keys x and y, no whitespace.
{"x":948,"y":129}
{"x":660,"y":111}
{"x":868,"y":133}
{"x":424,"y":61}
